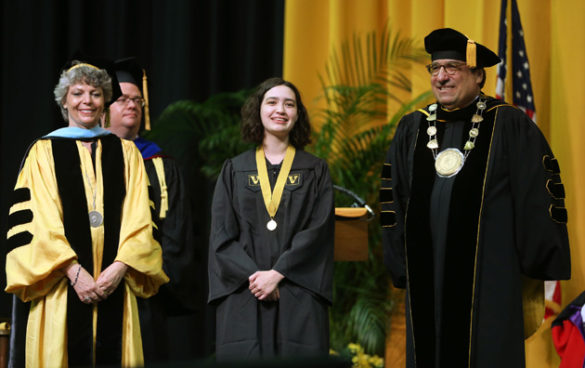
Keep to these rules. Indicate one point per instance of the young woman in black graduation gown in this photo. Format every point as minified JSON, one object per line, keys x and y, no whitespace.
{"x":271,"y":242}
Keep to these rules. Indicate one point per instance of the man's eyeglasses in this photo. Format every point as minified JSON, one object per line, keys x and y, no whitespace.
{"x":139,"y":101}
{"x":450,"y":68}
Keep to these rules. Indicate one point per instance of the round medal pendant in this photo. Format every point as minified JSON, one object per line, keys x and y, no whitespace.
{"x":95,"y":218}
{"x":449,"y":162}
{"x":271,"y":225}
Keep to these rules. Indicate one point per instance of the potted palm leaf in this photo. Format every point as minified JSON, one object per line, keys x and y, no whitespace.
{"x":360,"y":81}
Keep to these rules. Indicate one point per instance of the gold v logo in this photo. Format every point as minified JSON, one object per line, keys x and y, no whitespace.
{"x":253,"y":180}
{"x":293,"y":179}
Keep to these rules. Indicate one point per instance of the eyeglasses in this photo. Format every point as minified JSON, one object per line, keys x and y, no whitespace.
{"x":125,"y":99}
{"x":450,"y":68}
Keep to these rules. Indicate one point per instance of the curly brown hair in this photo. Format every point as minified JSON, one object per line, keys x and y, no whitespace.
{"x":252,"y":128}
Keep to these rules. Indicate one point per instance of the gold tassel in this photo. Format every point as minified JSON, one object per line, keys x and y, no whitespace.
{"x":146,"y":105}
{"x":471,"y":54}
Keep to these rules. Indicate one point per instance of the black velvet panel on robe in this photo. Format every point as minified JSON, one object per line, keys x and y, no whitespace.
{"x":461,"y":244}
{"x":462,"y":241}
{"x":419,"y":251}
{"x":77,"y":231}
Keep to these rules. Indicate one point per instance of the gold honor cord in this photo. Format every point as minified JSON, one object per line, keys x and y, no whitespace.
{"x":272,"y":199}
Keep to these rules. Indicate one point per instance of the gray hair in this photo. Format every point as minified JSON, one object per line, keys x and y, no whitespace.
{"x":82,"y":73}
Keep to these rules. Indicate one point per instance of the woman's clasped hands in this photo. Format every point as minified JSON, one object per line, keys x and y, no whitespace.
{"x":92,"y":291}
{"x":264,"y":285}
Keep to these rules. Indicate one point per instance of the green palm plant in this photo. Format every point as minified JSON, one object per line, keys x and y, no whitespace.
{"x":357,"y":85}
{"x":201,"y":136}
{"x":359,"y":81}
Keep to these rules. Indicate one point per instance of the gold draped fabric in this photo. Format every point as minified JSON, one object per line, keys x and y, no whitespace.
{"x":33,"y":270}
{"x":556,"y":55}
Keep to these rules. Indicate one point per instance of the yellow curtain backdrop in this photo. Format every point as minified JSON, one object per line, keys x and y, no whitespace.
{"x":556,"y":52}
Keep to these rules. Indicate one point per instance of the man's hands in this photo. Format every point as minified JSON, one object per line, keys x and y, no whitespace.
{"x":264,"y":284}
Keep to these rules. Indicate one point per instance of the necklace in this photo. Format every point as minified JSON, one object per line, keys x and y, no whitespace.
{"x":95,"y":217}
{"x":450,"y":161}
{"x":272,"y":198}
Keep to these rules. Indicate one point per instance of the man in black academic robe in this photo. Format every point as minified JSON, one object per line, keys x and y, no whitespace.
{"x":472,"y":217}
{"x":167,"y":320}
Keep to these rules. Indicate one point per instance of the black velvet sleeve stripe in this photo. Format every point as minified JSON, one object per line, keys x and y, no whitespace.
{"x":558,"y":214}
{"x":551,"y":164}
{"x":18,"y":240}
{"x":388,"y":218}
{"x":556,"y":190}
{"x":19,"y":218}
{"x":387,"y":172}
{"x":386,"y":195}
{"x":20,"y":195}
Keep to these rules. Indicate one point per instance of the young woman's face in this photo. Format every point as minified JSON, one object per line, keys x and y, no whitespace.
{"x":85,"y":105}
{"x":279,"y":111}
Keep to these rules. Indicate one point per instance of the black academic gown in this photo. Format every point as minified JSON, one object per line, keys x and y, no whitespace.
{"x":301,"y":249}
{"x":465,"y":247}
{"x":163,"y":329}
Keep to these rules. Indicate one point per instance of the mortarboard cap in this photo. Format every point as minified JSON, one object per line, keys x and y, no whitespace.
{"x":129,"y":71}
{"x":447,"y":43}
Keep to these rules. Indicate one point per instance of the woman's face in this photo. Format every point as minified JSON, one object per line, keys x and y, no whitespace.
{"x":279,"y":111}
{"x":84,"y":104}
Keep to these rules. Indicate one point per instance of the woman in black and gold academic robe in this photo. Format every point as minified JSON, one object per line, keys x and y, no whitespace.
{"x":271,"y":243}
{"x":81,"y":246}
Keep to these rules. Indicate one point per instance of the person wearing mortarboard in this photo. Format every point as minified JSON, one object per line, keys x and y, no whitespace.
{"x":80,"y":238}
{"x":171,"y":213}
{"x":472,"y":216}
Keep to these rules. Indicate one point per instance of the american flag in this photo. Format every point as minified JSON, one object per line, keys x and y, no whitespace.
{"x":523,"y":97}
